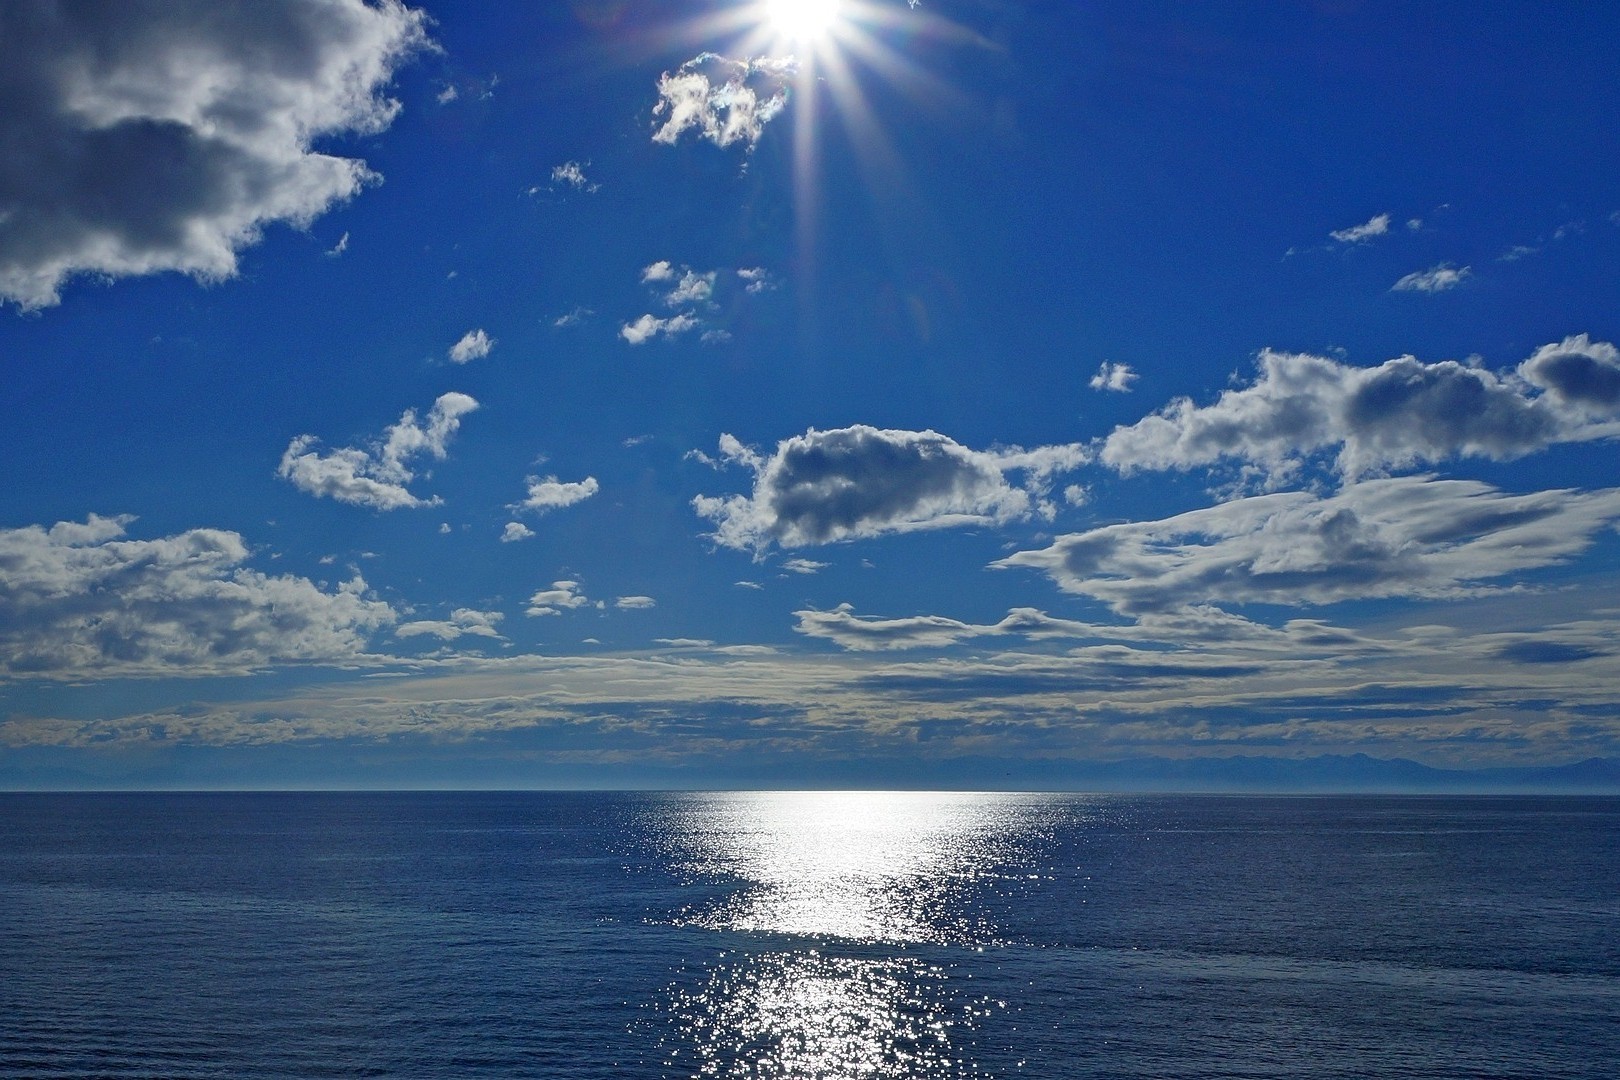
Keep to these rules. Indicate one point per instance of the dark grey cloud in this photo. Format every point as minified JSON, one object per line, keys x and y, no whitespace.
{"x":1399,"y":414}
{"x":80,"y":600}
{"x":860,"y":481}
{"x":146,"y":135}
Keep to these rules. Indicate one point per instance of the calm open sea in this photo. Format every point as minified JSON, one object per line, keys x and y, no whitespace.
{"x":807,"y":935}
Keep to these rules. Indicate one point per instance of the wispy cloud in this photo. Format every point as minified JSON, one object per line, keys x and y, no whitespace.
{"x":376,"y":475}
{"x":1377,"y":225}
{"x":1433,"y":280}
{"x":572,"y":174}
{"x":1411,"y":536}
{"x":1112,"y":376}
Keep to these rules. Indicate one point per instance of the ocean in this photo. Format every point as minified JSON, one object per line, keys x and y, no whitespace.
{"x":807,"y":935}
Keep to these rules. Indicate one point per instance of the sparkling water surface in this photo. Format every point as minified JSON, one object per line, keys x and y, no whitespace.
{"x":841,"y":934}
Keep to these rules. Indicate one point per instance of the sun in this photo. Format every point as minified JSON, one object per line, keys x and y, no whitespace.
{"x":805,"y":21}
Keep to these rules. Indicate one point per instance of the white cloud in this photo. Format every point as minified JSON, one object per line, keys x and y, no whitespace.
{"x":803,"y":566}
{"x":1434,"y":279}
{"x":1376,"y":226}
{"x":724,"y":101}
{"x":572,"y":173}
{"x":573,"y":318}
{"x":340,"y":247}
{"x":563,"y":595}
{"x":474,"y":345}
{"x":376,"y":475}
{"x":650,"y":326}
{"x":658,"y":271}
{"x":861,"y":481}
{"x":1112,"y":376}
{"x":692,"y":288}
{"x":515,"y":531}
{"x":1400,"y":537}
{"x":149,"y":137}
{"x":756,"y":279}
{"x":548,"y":493}
{"x":635,"y":603}
{"x":1401,"y":413}
{"x":463,"y":622}
{"x":80,"y":600}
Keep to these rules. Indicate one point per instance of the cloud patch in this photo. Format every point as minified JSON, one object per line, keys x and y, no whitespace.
{"x":724,"y":101}
{"x":548,"y":493}
{"x":861,"y":481}
{"x":463,"y":622}
{"x":562,"y":596}
{"x":1115,"y":377}
{"x":81,"y":600}
{"x":376,"y":475}
{"x":1399,"y":414}
{"x":1412,"y":536}
{"x":1378,"y":225}
{"x":1435,"y":279}
{"x":473,"y":345}
{"x":149,"y":137}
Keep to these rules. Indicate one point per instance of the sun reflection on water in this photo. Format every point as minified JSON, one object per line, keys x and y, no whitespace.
{"x":882,"y":884}
{"x":862,"y":866}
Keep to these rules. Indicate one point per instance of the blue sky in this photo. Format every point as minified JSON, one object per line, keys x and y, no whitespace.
{"x":730,"y":392}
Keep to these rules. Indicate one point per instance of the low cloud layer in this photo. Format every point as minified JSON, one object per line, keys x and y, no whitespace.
{"x":1411,"y":536}
{"x":862,"y":481}
{"x":1400,"y":414}
{"x":81,"y":600}
{"x":724,"y":101}
{"x":376,"y":475}
{"x":142,"y":137}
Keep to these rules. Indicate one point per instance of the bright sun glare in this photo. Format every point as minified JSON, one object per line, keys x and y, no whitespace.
{"x":802,"y":20}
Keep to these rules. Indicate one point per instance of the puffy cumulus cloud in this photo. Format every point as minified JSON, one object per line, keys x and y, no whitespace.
{"x":862,"y":481}
{"x":142,"y":137}
{"x":1412,"y":536}
{"x":376,"y":475}
{"x":81,"y":600}
{"x":463,"y":622}
{"x":563,"y":595}
{"x":1112,"y":376}
{"x":515,"y":531}
{"x":1434,"y":279}
{"x":1581,"y":374}
{"x":548,"y":493}
{"x":474,"y":345}
{"x":1376,"y":226}
{"x":803,"y":566}
{"x":635,"y":603}
{"x":724,"y":101}
{"x":1401,"y":413}
{"x":650,"y":326}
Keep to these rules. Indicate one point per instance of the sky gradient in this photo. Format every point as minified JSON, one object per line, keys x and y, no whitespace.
{"x":966,"y":393}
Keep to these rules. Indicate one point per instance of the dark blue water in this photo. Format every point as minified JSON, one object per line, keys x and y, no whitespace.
{"x":828,"y":935}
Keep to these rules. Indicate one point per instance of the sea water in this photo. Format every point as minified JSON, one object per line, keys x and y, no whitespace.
{"x":840,"y":934}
